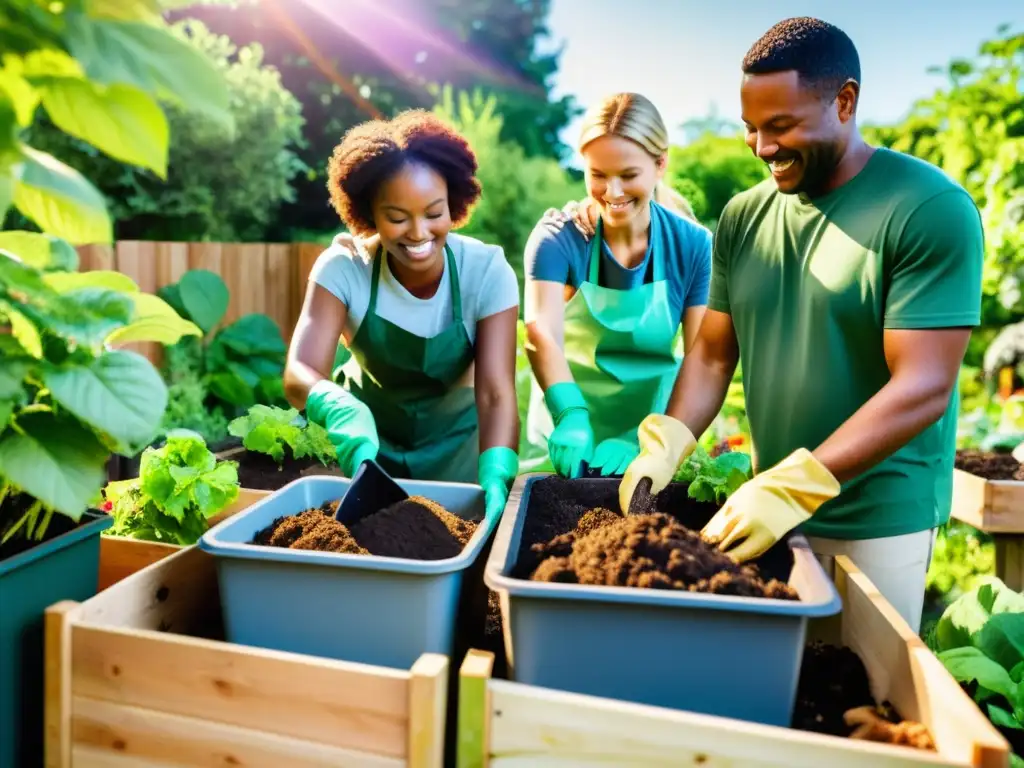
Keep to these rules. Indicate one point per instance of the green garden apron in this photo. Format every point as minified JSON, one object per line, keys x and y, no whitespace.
{"x":427,"y":428}
{"x":621,"y":350}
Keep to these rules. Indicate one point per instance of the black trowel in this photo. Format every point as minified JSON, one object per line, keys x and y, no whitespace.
{"x":372,"y":490}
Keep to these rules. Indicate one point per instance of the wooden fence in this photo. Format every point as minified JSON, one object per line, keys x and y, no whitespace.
{"x":268,"y":278}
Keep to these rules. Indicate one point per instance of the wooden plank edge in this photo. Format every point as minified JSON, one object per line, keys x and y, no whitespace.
{"x":107,"y":731}
{"x":547,"y":726}
{"x":472,"y":740}
{"x":57,"y":620}
{"x":961,"y":731}
{"x":428,"y":699}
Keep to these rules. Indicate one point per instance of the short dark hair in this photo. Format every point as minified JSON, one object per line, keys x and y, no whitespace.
{"x":823,"y":56}
{"x":372,"y":151}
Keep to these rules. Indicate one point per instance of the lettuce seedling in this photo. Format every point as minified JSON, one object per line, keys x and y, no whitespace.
{"x":270,"y":430}
{"x":714,"y":479}
{"x":180,"y":486}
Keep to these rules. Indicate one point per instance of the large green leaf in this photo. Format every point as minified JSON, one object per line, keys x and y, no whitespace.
{"x":57,"y":461}
{"x":12,"y":372}
{"x":154,"y":320}
{"x":119,"y":393}
{"x":120,"y":120}
{"x":25,"y":332}
{"x":40,"y":250}
{"x":1002,"y":639}
{"x":62,"y":282}
{"x":23,"y":97}
{"x":6,"y":190}
{"x":253,"y":334}
{"x":89,"y":315}
{"x":151,"y":58}
{"x":60,"y":200}
{"x":205,"y":297}
{"x":125,"y":10}
{"x":969,"y":664}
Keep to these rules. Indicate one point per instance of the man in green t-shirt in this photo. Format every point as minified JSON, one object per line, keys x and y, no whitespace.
{"x":846,"y":285}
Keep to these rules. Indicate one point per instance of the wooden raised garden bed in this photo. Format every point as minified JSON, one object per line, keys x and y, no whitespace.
{"x":996,"y":506}
{"x":138,"y":676}
{"x":121,"y":556}
{"x":506,"y":723}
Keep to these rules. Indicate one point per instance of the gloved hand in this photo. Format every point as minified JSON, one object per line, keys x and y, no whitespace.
{"x":612,"y":456}
{"x":767,"y":507}
{"x":572,"y":441}
{"x":348,"y":422}
{"x":665,"y":443}
{"x":496,"y":469}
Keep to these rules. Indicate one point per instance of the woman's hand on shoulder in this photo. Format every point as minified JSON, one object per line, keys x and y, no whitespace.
{"x":355,"y":244}
{"x":582,"y":214}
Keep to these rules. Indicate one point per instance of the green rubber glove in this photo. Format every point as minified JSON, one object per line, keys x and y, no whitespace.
{"x":612,"y":456}
{"x":572,"y":441}
{"x":348,"y":422}
{"x":496,"y":469}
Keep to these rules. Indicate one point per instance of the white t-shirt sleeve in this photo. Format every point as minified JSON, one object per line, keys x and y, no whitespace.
{"x":498,"y":289}
{"x":347,"y":276}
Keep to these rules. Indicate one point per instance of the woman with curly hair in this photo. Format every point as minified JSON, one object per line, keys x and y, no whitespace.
{"x":428,"y":315}
{"x":603,"y":313}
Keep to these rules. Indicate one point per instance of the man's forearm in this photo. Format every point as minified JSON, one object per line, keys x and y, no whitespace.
{"x":700,"y":390}
{"x":900,"y":411}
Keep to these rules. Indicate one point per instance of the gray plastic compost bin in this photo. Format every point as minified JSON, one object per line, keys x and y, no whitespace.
{"x":374,"y":610}
{"x":715,"y":654}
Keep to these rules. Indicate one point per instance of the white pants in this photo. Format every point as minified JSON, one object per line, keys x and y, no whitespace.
{"x":896,"y":565}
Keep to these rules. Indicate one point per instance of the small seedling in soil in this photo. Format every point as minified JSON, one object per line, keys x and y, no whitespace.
{"x":991,"y":465}
{"x":280,"y":446}
{"x":834,"y":697}
{"x":572,"y":535}
{"x":415,"y":528}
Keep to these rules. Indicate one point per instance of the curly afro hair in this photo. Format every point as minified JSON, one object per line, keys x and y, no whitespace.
{"x":823,"y":55}
{"x":373,"y":151}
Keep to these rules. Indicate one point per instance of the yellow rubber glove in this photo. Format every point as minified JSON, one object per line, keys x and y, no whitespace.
{"x":767,"y":507}
{"x":665,"y":443}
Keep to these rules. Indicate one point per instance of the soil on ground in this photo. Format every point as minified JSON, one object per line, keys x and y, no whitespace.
{"x":416,"y":528}
{"x":992,"y":465}
{"x":260,"y":472}
{"x":834,"y":697}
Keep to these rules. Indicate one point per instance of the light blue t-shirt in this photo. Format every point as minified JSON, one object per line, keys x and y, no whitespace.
{"x":563,"y":256}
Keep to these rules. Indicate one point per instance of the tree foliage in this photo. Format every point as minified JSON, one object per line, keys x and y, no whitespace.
{"x":394,"y":53}
{"x":220,"y":185}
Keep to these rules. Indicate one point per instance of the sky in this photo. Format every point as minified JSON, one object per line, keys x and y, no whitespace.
{"x":685,"y":54}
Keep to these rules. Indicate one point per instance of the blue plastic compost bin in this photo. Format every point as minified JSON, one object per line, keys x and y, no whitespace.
{"x":715,"y":654}
{"x":374,"y":610}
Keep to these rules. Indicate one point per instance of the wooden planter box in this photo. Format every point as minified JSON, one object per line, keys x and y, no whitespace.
{"x":505,"y":723}
{"x":137,"y":676}
{"x":997,"y":508}
{"x":121,"y":556}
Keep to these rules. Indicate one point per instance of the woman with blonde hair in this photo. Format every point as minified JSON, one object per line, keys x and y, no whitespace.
{"x":602,"y":316}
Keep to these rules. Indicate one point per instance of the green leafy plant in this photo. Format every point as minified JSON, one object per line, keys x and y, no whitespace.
{"x":980,"y":641}
{"x":100,"y":71}
{"x":180,"y":486}
{"x":714,"y":479}
{"x":188,"y":397}
{"x":66,"y":398}
{"x":242,"y":364}
{"x":272,"y":430}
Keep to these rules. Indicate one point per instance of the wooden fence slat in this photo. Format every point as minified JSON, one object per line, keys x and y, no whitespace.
{"x":96,"y":257}
{"x":280,"y":300}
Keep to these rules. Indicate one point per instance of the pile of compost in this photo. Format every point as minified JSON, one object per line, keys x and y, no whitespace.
{"x":834,"y":697}
{"x":573,"y":536}
{"x":991,"y":465}
{"x":415,"y":528}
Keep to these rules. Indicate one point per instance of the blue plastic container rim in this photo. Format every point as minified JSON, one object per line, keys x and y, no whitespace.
{"x":212,"y":540}
{"x":92,"y":522}
{"x":502,"y":559}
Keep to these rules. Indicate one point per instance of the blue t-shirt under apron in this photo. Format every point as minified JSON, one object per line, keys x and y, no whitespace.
{"x":563,"y":256}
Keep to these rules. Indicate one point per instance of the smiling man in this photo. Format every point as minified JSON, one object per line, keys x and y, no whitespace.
{"x":846,"y":285}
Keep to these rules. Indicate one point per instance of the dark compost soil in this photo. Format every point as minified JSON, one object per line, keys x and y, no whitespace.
{"x":992,"y":465}
{"x":834,"y":697}
{"x":260,"y":472}
{"x":572,"y":535}
{"x":417,"y":528}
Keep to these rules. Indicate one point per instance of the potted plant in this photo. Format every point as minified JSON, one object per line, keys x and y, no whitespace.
{"x":69,"y":398}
